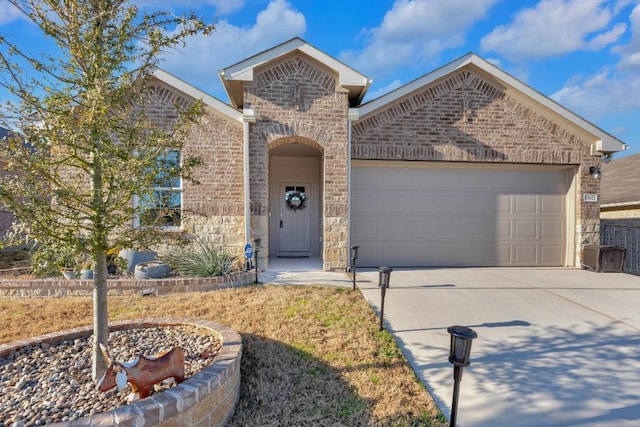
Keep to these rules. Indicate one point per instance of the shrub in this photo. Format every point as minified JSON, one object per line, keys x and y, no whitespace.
{"x":199,"y":260}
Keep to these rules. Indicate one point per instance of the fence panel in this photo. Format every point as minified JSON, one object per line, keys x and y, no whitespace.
{"x":624,"y":235}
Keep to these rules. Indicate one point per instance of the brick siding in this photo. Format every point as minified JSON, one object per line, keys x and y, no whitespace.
{"x":297,"y":100}
{"x":465,"y":118}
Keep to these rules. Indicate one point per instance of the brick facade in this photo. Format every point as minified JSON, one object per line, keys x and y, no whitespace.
{"x":302,"y":96}
{"x":212,"y":203}
{"x":465,"y":118}
{"x":297,"y":101}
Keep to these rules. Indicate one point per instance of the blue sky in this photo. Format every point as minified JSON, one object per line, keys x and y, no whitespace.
{"x":585,"y":54}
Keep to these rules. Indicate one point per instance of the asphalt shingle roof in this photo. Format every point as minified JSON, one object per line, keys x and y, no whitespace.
{"x":621,"y":180}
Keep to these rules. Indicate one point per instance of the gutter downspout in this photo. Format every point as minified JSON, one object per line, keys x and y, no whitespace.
{"x":248,"y":116}
{"x":353,"y":115}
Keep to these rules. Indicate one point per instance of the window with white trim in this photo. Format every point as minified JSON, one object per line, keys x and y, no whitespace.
{"x":164,"y":206}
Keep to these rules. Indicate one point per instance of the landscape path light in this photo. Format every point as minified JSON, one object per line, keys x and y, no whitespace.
{"x":256,"y":244}
{"x":354,"y":257}
{"x":459,"y":355}
{"x":383,"y":284}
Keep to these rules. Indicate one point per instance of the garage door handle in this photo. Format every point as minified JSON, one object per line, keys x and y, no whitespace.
{"x":281,"y":224}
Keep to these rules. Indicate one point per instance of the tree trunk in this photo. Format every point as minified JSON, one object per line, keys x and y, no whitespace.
{"x":100,"y":316}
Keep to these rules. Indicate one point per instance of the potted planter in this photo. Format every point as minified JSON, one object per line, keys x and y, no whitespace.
{"x":135,"y":257}
{"x":68,"y":274}
{"x":86,"y":274}
{"x":152,"y":270}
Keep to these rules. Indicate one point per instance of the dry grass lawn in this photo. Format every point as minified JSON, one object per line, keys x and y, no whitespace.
{"x":311,"y":356}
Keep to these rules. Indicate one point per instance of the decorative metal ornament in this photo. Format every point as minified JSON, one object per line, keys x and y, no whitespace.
{"x":295,"y":200}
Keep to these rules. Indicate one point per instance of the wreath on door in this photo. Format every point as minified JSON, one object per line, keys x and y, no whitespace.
{"x":295,"y":200}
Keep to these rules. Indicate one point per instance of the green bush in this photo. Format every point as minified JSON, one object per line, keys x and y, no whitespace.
{"x":50,"y":260}
{"x":199,"y":260}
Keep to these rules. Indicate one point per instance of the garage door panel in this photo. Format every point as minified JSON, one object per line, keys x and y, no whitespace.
{"x":390,"y":202}
{"x":526,"y":204}
{"x":525,"y":255}
{"x":415,"y":216}
{"x":526,"y":229}
{"x":549,"y":254}
{"x":550,"y":229}
{"x":552,"y":205}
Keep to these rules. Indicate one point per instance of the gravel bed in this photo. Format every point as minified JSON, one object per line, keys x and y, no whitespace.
{"x":51,"y":383}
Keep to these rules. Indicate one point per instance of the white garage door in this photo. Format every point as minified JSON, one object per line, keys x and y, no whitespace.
{"x":424,"y":214}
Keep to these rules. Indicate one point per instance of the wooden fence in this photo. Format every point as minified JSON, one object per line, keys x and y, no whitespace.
{"x":623,"y":234}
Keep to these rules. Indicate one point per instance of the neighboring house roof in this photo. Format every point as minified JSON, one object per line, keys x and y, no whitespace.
{"x":620,"y":185}
{"x":208,"y":100}
{"x":3,"y":132}
{"x":232,"y":77}
{"x":602,"y":142}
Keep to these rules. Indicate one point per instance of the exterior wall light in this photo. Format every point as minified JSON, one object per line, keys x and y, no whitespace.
{"x":459,"y":354}
{"x":383,"y":284}
{"x":595,"y":172}
{"x":354,"y":258}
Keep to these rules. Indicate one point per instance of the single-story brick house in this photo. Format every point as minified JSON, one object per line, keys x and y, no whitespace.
{"x":621,"y":189}
{"x":465,"y":166}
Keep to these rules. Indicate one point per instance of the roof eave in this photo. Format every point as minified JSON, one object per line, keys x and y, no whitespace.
{"x":602,"y":142}
{"x":233,"y":76}
{"x":208,"y":100}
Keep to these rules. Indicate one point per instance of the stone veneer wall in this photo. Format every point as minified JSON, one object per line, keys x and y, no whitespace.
{"x":84,"y":288}
{"x":207,"y":399}
{"x":296,"y":100}
{"x":465,"y":118}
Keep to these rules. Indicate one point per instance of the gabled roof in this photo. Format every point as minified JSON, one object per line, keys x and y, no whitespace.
{"x":602,"y":142}
{"x":232,"y":77}
{"x":620,"y":185}
{"x":208,"y":100}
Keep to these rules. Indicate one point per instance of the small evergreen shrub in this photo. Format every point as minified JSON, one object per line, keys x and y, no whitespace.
{"x":199,"y":260}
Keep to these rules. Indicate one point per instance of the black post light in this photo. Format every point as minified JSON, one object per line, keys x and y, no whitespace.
{"x":354,"y":257}
{"x":383,"y":284}
{"x":459,"y":354}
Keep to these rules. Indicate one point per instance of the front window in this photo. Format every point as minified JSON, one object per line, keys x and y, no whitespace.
{"x":164,"y":206}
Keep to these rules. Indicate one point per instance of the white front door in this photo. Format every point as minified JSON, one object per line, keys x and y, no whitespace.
{"x":294,"y":227}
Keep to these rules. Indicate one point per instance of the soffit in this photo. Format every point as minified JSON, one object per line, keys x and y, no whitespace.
{"x":235,"y":75}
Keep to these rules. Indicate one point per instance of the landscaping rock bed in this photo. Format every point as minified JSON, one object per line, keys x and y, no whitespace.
{"x":50,"y":382}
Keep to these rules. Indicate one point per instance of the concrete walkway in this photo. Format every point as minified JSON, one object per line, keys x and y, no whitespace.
{"x":555,"y":347}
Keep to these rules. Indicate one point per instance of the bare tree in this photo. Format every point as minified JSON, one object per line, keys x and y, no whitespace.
{"x":88,"y":144}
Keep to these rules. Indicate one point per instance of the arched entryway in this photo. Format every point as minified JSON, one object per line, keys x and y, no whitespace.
{"x":295,"y":167}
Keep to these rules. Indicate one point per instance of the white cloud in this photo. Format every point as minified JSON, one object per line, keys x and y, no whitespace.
{"x":556,"y":27}
{"x":630,"y":52}
{"x":414,"y":31}
{"x":8,"y":13}
{"x":601,"y":94}
{"x":202,"y":57}
{"x":612,"y":89}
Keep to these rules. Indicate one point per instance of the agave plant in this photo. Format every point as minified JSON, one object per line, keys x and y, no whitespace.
{"x":200,"y":260}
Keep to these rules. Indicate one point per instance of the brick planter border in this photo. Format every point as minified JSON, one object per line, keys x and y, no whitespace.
{"x":10,"y":288}
{"x":207,"y":399}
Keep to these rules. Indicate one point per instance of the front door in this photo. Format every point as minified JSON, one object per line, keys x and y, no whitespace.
{"x":295,"y":221}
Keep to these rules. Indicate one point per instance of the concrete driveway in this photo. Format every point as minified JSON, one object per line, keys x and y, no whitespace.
{"x":555,"y":347}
